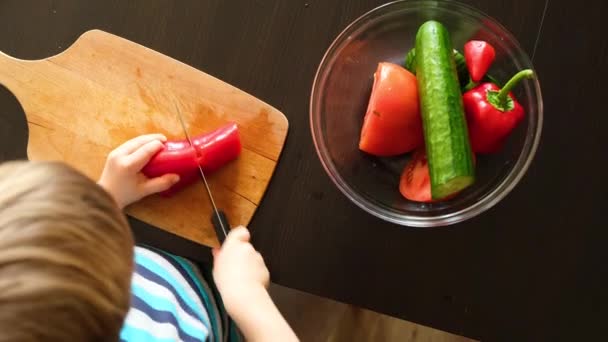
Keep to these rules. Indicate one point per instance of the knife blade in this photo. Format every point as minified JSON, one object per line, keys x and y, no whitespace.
{"x":218,"y":219}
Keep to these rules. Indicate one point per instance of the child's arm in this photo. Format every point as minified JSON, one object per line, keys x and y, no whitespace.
{"x":242,"y":278}
{"x":122,"y":177}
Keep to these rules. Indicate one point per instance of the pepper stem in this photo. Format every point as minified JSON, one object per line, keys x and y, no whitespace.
{"x":504,"y":92}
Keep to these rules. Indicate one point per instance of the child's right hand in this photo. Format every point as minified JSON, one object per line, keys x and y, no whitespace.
{"x":242,"y":278}
{"x":239,"y":270}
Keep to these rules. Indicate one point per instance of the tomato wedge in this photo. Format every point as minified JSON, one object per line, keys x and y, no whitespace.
{"x":415,"y":183}
{"x":392,"y":124}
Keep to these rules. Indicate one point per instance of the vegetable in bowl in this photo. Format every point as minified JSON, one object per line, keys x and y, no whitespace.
{"x":453,"y":130}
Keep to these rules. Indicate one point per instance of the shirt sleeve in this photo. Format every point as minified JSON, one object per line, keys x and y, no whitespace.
{"x":168,"y":302}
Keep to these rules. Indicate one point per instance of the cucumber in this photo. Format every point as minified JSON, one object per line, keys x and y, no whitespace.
{"x":461,"y":66}
{"x":410,"y":61}
{"x":445,"y":129}
{"x":464,"y":78}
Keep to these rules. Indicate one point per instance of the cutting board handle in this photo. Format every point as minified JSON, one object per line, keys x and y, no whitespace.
{"x":14,"y":73}
{"x":8,"y":65}
{"x":5,"y":59}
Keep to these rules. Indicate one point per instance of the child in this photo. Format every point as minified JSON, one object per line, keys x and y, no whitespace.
{"x":67,"y":271}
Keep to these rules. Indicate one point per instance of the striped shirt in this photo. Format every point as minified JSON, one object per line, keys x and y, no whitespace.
{"x":173,"y":300}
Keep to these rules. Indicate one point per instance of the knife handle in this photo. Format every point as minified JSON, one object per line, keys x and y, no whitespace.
{"x":217,"y":224}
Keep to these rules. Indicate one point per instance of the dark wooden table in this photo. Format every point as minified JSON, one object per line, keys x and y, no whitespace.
{"x":531,"y":268}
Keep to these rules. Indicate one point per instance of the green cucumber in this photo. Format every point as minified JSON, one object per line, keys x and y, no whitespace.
{"x":445,"y":129}
{"x":466,"y":83}
{"x":461,"y":66}
{"x":410,"y":61}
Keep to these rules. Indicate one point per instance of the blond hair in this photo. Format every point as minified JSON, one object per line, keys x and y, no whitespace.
{"x":66,"y":256}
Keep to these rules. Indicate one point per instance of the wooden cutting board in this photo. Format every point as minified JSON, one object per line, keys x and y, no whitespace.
{"x":104,"y":90}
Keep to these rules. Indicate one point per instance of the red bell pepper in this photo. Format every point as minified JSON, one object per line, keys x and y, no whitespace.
{"x":479,"y":56}
{"x":217,"y":148}
{"x":492,"y":113}
{"x":211,"y":151}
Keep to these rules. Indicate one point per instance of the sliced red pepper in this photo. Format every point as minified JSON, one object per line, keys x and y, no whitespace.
{"x":492,"y":113}
{"x":171,"y":160}
{"x":211,"y":151}
{"x":479,"y":56}
{"x":217,"y":148}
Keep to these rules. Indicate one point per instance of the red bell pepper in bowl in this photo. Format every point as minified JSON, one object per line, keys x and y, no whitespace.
{"x":492,"y":113}
{"x":478,"y":56}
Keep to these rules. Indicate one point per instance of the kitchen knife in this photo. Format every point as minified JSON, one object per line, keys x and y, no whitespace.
{"x":218,"y":218}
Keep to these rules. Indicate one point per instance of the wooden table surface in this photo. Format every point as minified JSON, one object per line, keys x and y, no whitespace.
{"x":531,"y":268}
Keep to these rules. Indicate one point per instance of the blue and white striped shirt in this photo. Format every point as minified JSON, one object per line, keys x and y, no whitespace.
{"x":171,"y":300}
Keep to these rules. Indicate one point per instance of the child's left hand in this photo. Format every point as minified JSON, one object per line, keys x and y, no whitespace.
{"x":122,"y":176}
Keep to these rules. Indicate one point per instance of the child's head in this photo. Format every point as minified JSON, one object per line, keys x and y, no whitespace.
{"x":65,"y":256}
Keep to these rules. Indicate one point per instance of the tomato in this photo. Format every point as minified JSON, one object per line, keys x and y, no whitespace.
{"x":415,"y":183}
{"x":211,"y":151}
{"x":392,"y":124}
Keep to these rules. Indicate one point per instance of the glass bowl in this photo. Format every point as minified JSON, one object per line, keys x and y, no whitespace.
{"x":341,"y":91}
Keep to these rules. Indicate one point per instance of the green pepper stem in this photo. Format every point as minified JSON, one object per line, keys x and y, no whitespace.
{"x":504,"y":92}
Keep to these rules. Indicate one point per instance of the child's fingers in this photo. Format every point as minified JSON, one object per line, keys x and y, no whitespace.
{"x":238,"y":234}
{"x":215,"y":252}
{"x":140,"y":157}
{"x":137,"y":142}
{"x":159,"y":184}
